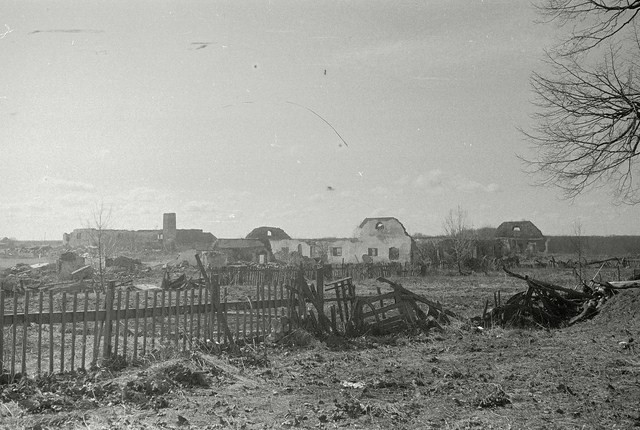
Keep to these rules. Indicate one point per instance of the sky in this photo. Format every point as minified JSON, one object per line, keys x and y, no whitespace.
{"x":304,"y":115}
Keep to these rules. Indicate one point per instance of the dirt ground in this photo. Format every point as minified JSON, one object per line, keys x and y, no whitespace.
{"x":585,"y":377}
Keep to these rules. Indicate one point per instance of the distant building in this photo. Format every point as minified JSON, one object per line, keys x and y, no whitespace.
{"x":376,"y":240}
{"x":6,"y":244}
{"x":384,"y":240}
{"x":168,"y":238}
{"x":520,"y":237}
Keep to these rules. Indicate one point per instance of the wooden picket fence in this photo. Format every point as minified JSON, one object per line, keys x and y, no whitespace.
{"x":46,"y":332}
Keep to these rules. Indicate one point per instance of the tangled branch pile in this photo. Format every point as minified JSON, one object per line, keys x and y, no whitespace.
{"x":546,"y":305}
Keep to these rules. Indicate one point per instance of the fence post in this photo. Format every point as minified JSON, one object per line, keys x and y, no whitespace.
{"x":108,"y":308}
{"x":320,"y":285}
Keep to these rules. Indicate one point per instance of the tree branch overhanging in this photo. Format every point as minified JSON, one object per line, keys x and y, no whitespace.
{"x":587,"y":127}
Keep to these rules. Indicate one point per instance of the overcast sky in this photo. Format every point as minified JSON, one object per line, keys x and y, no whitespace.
{"x":305,"y":115}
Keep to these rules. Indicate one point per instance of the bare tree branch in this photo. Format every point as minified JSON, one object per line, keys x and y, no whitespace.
{"x":592,"y":21}
{"x":587,"y":125}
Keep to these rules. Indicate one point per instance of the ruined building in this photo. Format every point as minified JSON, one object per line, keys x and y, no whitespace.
{"x":521,"y":237}
{"x":169,"y":238}
{"x":376,"y":240}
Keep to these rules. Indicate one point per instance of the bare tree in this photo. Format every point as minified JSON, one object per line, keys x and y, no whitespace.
{"x":587,"y":126}
{"x":461,"y":236}
{"x":579,"y":244}
{"x":105,"y":243}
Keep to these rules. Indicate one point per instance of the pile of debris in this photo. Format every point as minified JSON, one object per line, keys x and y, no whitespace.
{"x":123,"y":263}
{"x":182,"y":282}
{"x":548,"y":305}
{"x":24,"y":276}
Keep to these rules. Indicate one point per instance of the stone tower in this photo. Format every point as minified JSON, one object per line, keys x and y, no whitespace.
{"x":169,"y":231}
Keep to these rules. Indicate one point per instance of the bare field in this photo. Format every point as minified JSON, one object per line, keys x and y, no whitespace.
{"x":462,"y":378}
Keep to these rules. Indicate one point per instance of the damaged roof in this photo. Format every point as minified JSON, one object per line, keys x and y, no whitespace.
{"x":268,"y":233}
{"x":518,"y":229}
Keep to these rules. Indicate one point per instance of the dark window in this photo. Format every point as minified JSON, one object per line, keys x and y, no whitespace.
{"x":394,"y":253}
{"x":300,"y":248}
{"x":285,"y":249}
{"x":336,"y":251}
{"x":373,"y":252}
{"x":78,"y":235}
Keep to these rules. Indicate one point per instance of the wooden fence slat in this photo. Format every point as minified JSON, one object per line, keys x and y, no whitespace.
{"x":73,"y":333}
{"x":244,"y":321}
{"x":125,"y":340}
{"x":63,"y":304}
{"x":184,"y":320}
{"x":40,"y":310}
{"x":192,"y":295}
{"x":216,"y":298}
{"x":50,"y":334}
{"x":237,"y":323}
{"x":108,"y":300}
{"x":14,"y":340}
{"x":25,"y":326}
{"x":135,"y":327}
{"x":96,"y":331}
{"x":116,"y":336}
{"x":206,"y":319}
{"x":162,"y":319}
{"x":84,"y":329}
{"x":269,"y":298}
{"x":258,"y":314}
{"x":251,"y":332}
{"x":199,"y":314}
{"x":153,"y":320}
{"x":144,"y":322}
{"x":177,"y":321}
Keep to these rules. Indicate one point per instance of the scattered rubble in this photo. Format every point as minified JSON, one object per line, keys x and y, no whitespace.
{"x":130,"y":264}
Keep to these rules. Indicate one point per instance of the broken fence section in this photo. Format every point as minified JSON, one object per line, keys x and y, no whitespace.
{"x":350,"y":314}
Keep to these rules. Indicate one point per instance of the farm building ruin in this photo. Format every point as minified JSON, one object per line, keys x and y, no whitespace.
{"x":520,"y":237}
{"x":376,"y":240}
